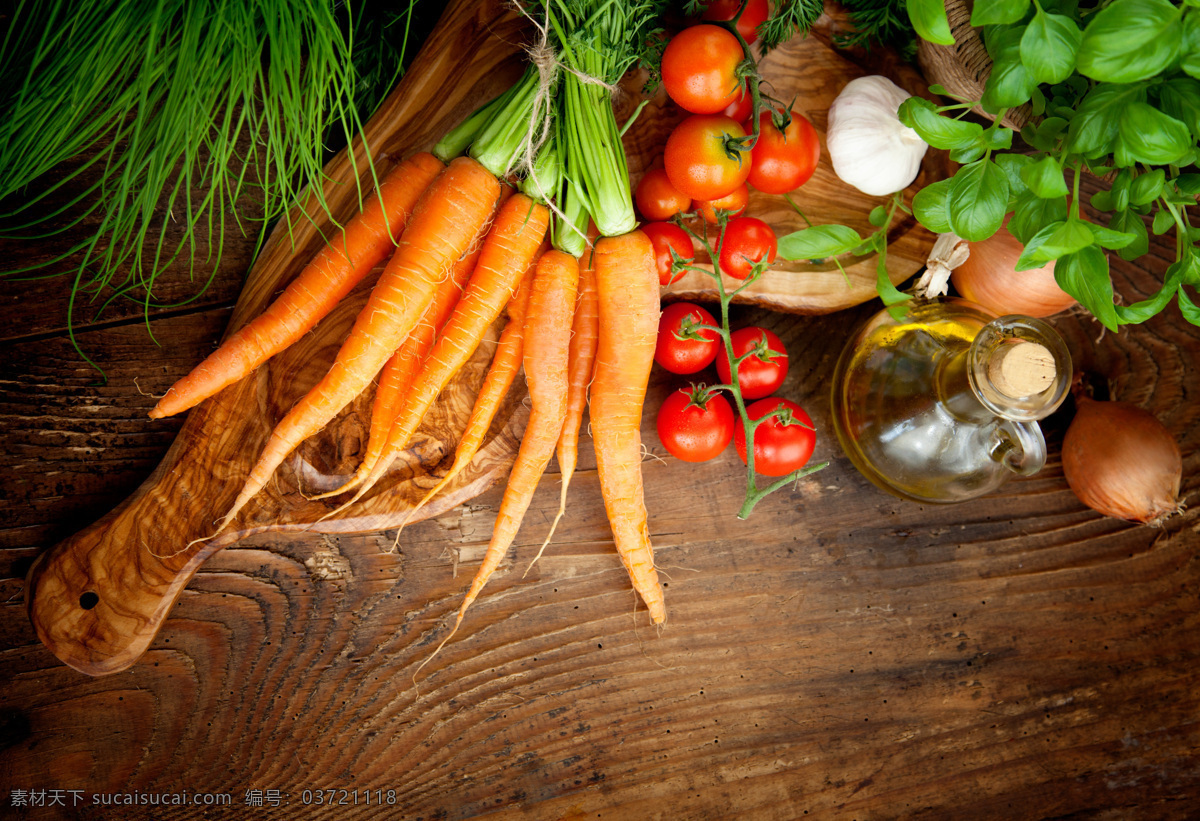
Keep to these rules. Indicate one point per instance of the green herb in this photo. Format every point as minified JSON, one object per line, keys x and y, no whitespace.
{"x":879,"y":22}
{"x":180,"y":109}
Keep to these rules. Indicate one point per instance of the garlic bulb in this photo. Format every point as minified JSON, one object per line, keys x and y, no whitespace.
{"x":869,"y":146}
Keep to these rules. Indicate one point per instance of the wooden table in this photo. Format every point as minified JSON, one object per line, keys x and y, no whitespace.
{"x":841,"y":654}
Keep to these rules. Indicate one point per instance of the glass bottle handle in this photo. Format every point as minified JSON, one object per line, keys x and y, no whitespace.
{"x":1023,"y":448}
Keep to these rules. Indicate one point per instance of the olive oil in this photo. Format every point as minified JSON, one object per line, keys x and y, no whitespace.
{"x":933,"y":402}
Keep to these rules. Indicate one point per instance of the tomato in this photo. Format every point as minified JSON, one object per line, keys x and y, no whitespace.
{"x":657,"y":199}
{"x":695,"y":424}
{"x":762,"y":373}
{"x":781,"y":444}
{"x":699,"y":68}
{"x":665,"y":236}
{"x":735,"y":202}
{"x":756,"y":12}
{"x":741,"y":108}
{"x":705,"y":158}
{"x":690,"y":354}
{"x":784,"y":160}
{"x":747,"y":240}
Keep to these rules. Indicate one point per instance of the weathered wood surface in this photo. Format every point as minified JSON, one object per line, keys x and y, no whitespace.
{"x":841,"y":654}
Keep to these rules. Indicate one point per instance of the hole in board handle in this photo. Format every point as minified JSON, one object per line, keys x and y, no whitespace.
{"x":89,"y":600}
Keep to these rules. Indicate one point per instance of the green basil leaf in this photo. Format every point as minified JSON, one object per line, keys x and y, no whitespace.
{"x":1191,"y":44}
{"x":1010,"y":84}
{"x":978,"y":200}
{"x":1084,"y":275}
{"x":1037,"y":102}
{"x":819,"y":242}
{"x":1162,"y":223}
{"x":1103,"y":201}
{"x":1131,"y":223}
{"x":1054,"y":241}
{"x":1031,"y":214}
{"x":1149,"y":136}
{"x":1188,"y":183}
{"x":878,"y":216}
{"x":1011,"y":165}
{"x":970,"y":154}
{"x":1188,"y":308}
{"x":1093,"y":129}
{"x":1147,"y":187}
{"x":1110,"y":238}
{"x":997,"y":138}
{"x":1120,"y":189}
{"x":1045,"y":178}
{"x":1180,"y":98}
{"x":1146,"y":308}
{"x":928,"y":18}
{"x":1129,"y":41}
{"x":940,"y":132}
{"x":931,"y":206}
{"x":993,"y":12}
{"x":1048,"y":47}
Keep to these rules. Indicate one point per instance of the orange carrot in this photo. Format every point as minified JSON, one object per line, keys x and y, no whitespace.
{"x":506,"y":361}
{"x":511,"y":245}
{"x":627,"y":290}
{"x":582,"y":357}
{"x":362,"y":245}
{"x":547,"y":336}
{"x":402,"y":368}
{"x":451,"y":214}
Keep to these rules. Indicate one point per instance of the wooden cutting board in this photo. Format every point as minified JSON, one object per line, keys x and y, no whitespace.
{"x":98,"y":599}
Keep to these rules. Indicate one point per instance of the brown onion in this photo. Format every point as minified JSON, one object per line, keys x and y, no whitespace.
{"x":1121,"y":461}
{"x":988,"y":278}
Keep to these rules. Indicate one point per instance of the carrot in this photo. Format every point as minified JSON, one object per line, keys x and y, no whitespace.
{"x":582,"y":357}
{"x":506,"y":361}
{"x":508,"y":250}
{"x":547,"y":336}
{"x":402,"y":368}
{"x":449,"y":217}
{"x":362,"y":245}
{"x":627,"y":291}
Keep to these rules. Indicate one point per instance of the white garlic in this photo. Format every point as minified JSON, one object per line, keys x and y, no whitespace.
{"x":869,"y":146}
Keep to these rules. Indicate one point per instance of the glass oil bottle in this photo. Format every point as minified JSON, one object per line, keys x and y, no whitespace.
{"x":937,"y":400}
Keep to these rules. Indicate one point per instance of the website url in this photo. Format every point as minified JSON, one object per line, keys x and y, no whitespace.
{"x":170,"y":799}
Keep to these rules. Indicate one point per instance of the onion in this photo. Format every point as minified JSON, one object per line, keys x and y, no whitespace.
{"x":1121,"y":461}
{"x":988,"y":278}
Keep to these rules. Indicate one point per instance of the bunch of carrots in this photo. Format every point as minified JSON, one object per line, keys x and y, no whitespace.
{"x":495,"y":220}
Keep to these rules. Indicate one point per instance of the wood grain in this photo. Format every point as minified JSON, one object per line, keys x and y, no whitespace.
{"x":98,"y":597}
{"x":841,"y":654}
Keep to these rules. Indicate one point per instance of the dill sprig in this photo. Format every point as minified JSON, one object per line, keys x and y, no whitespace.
{"x":879,"y":22}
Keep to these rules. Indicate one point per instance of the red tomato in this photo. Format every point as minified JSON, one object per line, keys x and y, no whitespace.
{"x":695,"y":424}
{"x":664,"y":236}
{"x":657,"y":199}
{"x":699,"y":68}
{"x":705,"y":158}
{"x":741,"y":108}
{"x":783,"y":160}
{"x":735,"y":202}
{"x":760,"y":374}
{"x":747,"y":240}
{"x":697,"y":349}
{"x":781,"y":444}
{"x":756,"y":12}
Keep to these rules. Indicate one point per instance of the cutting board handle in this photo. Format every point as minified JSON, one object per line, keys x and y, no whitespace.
{"x":98,"y":599}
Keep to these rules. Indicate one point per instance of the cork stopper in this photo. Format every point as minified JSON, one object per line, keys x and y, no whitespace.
{"x":1022,"y":368}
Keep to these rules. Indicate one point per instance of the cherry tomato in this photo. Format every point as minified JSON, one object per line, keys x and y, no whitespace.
{"x":781,"y":444}
{"x":784,"y":160}
{"x":704,"y":157}
{"x":735,"y":202}
{"x":741,"y":108}
{"x":665,"y":236}
{"x":747,"y":240}
{"x":756,"y":12}
{"x":760,"y":374}
{"x":657,"y":199}
{"x":695,"y":424}
{"x":699,"y":68}
{"x":690,"y":354}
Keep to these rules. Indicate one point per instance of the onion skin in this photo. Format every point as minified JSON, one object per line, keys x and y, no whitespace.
{"x":1122,"y":462}
{"x":988,"y":278}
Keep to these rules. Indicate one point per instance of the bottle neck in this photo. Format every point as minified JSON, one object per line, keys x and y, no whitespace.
{"x":1019,"y":368}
